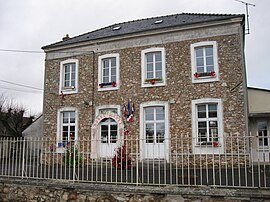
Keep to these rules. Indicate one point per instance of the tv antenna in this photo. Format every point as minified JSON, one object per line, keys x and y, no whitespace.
{"x":247,"y":31}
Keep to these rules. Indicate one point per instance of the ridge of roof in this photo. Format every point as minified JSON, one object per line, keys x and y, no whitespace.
{"x":188,"y":18}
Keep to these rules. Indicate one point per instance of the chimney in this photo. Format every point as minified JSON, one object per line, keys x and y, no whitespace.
{"x":65,"y":37}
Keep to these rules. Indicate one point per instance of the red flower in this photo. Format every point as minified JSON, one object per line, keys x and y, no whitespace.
{"x":212,"y":73}
{"x":126,"y":132}
{"x":215,"y":144}
{"x":101,"y":85}
{"x":152,"y":81}
{"x":196,"y":75}
{"x":113,"y":83}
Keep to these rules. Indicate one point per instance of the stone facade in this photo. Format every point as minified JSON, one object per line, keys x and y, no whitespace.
{"x":179,"y":90}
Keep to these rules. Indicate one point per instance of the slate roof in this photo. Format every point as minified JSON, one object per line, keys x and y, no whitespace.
{"x":148,"y":24}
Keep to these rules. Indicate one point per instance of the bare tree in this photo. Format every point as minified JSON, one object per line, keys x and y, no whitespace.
{"x":12,"y":120}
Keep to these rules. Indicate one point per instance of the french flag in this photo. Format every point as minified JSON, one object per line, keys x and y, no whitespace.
{"x":130,"y":112}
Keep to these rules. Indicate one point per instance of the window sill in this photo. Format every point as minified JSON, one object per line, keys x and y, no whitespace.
{"x":68,"y":91}
{"x":204,"y":79}
{"x":107,"y":88}
{"x":153,"y":82}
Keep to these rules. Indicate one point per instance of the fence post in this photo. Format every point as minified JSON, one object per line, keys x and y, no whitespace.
{"x":23,"y":157}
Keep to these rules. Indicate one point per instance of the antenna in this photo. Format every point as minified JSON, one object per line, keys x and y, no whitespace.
{"x":247,"y":4}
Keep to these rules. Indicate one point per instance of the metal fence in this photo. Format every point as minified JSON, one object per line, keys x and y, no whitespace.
{"x":233,"y":162}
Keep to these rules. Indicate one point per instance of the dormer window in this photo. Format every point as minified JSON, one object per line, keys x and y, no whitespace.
{"x":68,"y":76}
{"x":158,"y":21}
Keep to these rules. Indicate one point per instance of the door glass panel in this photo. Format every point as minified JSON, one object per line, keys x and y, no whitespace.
{"x":149,"y":113}
{"x":160,"y":132}
{"x":104,"y":134}
{"x":201,"y":111}
{"x":160,"y":115}
{"x":113,"y":134}
{"x":149,"y":133}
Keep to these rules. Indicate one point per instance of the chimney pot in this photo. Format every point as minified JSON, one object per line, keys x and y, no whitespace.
{"x":65,"y":37}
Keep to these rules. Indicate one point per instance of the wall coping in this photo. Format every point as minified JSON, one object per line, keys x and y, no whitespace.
{"x":262,"y":193}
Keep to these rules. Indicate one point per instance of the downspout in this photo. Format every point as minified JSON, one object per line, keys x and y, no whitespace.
{"x":245,"y":91}
{"x":93,"y":88}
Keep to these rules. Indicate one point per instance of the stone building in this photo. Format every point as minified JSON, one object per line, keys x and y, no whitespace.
{"x":180,"y":78}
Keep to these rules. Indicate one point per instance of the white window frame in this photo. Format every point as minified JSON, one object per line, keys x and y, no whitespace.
{"x":100,"y":58}
{"x":204,"y":149}
{"x":164,"y":104}
{"x":59,"y":137}
{"x":143,"y":67}
{"x":68,"y":90}
{"x":98,"y":108}
{"x":193,"y":62}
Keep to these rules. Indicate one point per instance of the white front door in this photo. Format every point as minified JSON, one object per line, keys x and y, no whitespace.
{"x":261,"y":141}
{"x":154,"y":140}
{"x":108,"y":137}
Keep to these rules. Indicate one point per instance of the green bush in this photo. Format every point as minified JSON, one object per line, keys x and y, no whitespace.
{"x":72,"y":157}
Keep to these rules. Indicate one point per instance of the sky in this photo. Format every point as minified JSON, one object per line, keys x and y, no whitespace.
{"x":26,"y":26}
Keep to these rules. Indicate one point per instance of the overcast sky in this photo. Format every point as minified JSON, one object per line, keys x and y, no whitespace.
{"x":30,"y":24}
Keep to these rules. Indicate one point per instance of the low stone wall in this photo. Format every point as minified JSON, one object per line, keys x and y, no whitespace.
{"x":46,"y":190}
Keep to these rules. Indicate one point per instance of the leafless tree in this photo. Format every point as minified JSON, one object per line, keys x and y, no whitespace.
{"x":12,"y":120}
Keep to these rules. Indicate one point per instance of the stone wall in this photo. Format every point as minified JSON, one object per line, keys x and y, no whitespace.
{"x":34,"y":191}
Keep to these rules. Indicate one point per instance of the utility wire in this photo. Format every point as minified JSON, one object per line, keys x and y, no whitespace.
{"x":41,"y":52}
{"x":20,"y":51}
{"x":21,"y":85}
{"x":24,"y":91}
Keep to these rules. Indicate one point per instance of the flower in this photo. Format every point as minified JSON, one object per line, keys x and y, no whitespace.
{"x":213,"y":73}
{"x":113,"y":83}
{"x":101,"y":85}
{"x":196,"y":75}
{"x":215,"y":144}
{"x":152,"y":81}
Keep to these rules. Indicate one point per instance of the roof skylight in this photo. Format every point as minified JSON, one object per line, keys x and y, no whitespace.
{"x":116,"y":28}
{"x":158,"y":21}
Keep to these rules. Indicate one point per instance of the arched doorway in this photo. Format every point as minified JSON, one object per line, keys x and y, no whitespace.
{"x":106,"y":135}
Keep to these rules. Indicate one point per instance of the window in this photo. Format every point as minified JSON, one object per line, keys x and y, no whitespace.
{"x":153,"y":67}
{"x":207,"y":123}
{"x":262,"y":134}
{"x":67,"y":126}
{"x":154,"y":120}
{"x":108,"y":66}
{"x":204,"y":62}
{"x":154,"y":130}
{"x":68,"y":76}
{"x":108,"y":128}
